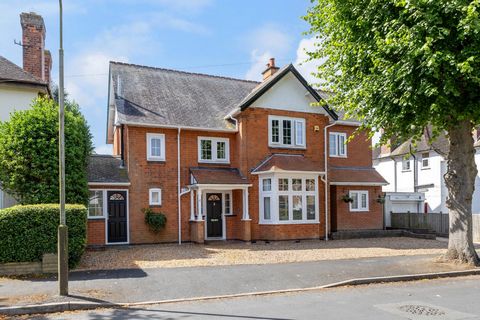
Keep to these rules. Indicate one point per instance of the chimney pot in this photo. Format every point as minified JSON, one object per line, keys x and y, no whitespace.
{"x":271,"y":69}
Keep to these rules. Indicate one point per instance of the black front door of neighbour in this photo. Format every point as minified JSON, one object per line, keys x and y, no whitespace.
{"x":214,"y":215}
{"x":117,"y":216}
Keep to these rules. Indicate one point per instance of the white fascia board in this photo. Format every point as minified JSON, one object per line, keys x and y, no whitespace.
{"x":290,"y":171}
{"x":118,"y":184}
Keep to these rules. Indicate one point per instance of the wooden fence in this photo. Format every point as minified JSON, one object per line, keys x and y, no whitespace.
{"x":437,"y":222}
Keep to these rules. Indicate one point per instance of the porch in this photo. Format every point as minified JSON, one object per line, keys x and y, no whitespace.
{"x":219,"y":202}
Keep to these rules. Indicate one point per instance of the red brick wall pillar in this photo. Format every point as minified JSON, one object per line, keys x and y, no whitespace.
{"x":247,"y":230}
{"x":197,"y":231}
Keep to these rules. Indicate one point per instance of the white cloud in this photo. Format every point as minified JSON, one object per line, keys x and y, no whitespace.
{"x":104,"y":149}
{"x":307,"y":68}
{"x":266,"y":42}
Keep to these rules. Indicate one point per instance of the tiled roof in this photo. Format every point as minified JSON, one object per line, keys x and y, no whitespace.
{"x":355,"y":175}
{"x":146,"y":95}
{"x":106,"y":169}
{"x":10,"y":72}
{"x":218,"y":176}
{"x":440,"y":144}
{"x":288,"y":162}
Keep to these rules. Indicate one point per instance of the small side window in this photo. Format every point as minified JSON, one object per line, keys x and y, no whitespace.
{"x":95,"y":204}
{"x":155,"y":197}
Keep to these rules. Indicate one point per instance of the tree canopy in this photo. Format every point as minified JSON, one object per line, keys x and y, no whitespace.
{"x":400,"y":65}
{"x":29,"y":153}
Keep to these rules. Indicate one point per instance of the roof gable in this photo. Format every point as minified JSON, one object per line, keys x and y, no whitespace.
{"x":286,"y":90}
{"x":10,"y":72}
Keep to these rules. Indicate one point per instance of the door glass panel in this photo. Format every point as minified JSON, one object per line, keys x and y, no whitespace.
{"x":116,"y":197}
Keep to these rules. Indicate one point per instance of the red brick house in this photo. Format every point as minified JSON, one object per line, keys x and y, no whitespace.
{"x":225,"y":159}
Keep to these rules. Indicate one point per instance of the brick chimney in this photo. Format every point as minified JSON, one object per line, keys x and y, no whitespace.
{"x":271,"y":69}
{"x":36,"y":60}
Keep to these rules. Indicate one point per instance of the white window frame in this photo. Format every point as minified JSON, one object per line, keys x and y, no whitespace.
{"x":151,"y":136}
{"x":359,"y":197}
{"x":224,"y":193}
{"x":214,"y":141}
{"x":422,"y":159}
{"x":150,"y":196}
{"x":297,"y":143}
{"x":274,"y":194}
{"x":337,"y":153}
{"x":404,"y":162}
{"x":104,"y":204}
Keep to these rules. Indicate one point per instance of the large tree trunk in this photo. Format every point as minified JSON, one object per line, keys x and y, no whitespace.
{"x":460,"y":181}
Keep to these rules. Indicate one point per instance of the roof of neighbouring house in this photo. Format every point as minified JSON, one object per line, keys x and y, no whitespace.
{"x":162,"y":97}
{"x":355,"y":175}
{"x":439,"y":144}
{"x":11,"y":73}
{"x":106,"y":169}
{"x":287,"y":162}
{"x":218,"y":176}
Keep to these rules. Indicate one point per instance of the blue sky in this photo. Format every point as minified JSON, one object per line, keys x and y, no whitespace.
{"x":223,"y":37}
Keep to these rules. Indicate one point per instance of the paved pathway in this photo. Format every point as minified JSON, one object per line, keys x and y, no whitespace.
{"x":135,"y":285}
{"x":449,"y":299}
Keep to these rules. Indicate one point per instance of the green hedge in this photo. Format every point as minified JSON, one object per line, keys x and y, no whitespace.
{"x":29,"y":231}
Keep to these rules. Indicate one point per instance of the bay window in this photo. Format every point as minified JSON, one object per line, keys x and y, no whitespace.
{"x":286,"y":132}
{"x":288,"y":199}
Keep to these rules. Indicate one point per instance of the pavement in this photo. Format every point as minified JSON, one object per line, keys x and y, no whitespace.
{"x":140,"y":285}
{"x":442,"y":299}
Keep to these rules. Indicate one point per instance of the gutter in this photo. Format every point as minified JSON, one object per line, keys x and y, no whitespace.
{"x":325,"y":180}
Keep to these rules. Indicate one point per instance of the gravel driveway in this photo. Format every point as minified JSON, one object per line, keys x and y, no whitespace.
{"x":232,"y":253}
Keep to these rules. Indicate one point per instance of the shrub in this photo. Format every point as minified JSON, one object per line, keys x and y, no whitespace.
{"x":156,"y":221}
{"x":27,"y":232}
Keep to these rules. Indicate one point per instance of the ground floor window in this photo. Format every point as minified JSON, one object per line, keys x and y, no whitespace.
{"x":288,"y":199}
{"x":359,"y":200}
{"x":95,"y":204}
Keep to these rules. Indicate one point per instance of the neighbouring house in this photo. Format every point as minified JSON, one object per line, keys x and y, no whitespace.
{"x":420,"y":168}
{"x":18,"y":87}
{"x":226,"y":158}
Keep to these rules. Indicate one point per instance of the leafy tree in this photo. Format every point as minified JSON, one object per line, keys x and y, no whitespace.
{"x":29,"y":154}
{"x":402,"y":65}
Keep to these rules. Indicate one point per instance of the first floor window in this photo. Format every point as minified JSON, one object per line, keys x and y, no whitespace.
{"x":95,"y":204}
{"x":360,"y":200}
{"x":286,"y":132}
{"x":406,"y":165}
{"x":155,"y":147}
{"x":337,"y":144}
{"x":288,"y":199}
{"x":425,"y":160}
{"x":213,"y":150}
{"x":155,"y":197}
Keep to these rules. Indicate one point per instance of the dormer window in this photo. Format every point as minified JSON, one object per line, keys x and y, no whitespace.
{"x":286,"y":132}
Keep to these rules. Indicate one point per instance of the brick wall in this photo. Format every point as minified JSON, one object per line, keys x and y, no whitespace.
{"x":96,"y":232}
{"x":347,"y":220}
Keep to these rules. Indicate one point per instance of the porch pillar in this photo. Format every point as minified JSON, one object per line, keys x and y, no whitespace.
{"x":246,"y":215}
{"x":192,"y":209}
{"x":199,"y":205}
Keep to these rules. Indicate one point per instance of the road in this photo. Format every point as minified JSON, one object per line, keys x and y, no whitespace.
{"x":442,"y":299}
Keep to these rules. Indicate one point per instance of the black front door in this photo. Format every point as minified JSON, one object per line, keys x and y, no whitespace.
{"x":117,"y":216}
{"x":214,"y":215}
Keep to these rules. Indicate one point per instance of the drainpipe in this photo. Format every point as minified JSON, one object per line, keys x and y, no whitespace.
{"x":326,"y":139}
{"x":394,"y":173}
{"x":178,"y":190}
{"x":122,"y":147}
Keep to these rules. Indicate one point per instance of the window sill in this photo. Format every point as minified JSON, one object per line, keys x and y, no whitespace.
{"x":96,"y":218}
{"x":359,"y":211}
{"x":409,"y":170}
{"x":213,"y":161}
{"x":281,"y":146}
{"x":156,"y":160}
{"x":343,"y":157}
{"x":154,"y":205}
{"x":425,"y":168}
